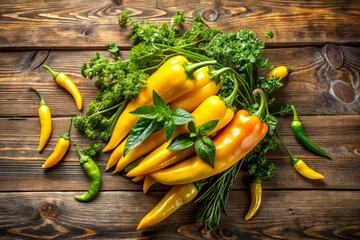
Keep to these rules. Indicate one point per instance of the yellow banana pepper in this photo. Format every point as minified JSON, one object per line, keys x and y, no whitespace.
{"x":172,"y":201}
{"x":171,"y":80}
{"x":218,"y":111}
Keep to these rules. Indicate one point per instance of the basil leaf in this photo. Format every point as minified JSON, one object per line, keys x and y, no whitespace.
{"x":169,"y":127}
{"x":158,"y":101}
{"x":145,"y":112}
{"x":205,"y":149}
{"x":207,"y":127}
{"x":180,"y":116}
{"x":181,"y":142}
{"x":192,"y":127}
{"x":140,"y":131}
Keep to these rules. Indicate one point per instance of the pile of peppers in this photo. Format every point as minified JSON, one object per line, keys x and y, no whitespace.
{"x":193,"y":87}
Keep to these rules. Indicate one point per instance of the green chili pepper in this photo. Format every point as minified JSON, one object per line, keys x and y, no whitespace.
{"x":302,"y":138}
{"x":93,"y":172}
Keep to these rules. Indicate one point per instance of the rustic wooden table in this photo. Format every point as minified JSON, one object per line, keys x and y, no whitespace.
{"x":320,"y":39}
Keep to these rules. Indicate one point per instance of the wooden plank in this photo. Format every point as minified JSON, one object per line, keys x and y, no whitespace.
{"x":301,"y":215}
{"x":19,"y":157}
{"x":91,"y":24}
{"x":315,"y":86}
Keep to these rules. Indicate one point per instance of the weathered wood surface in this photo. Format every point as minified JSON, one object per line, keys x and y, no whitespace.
{"x":89,"y":24}
{"x":325,"y":88}
{"x":284,"y":214}
{"x":19,"y":138}
{"x":320,"y":39}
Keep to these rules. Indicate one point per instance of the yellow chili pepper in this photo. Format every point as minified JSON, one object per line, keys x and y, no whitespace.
{"x":280,"y":72}
{"x":256,"y":196}
{"x":300,"y":166}
{"x":170,"y":81}
{"x":204,"y":88}
{"x":148,"y":183}
{"x":65,"y":82}
{"x":217,"y":111}
{"x":176,"y":197}
{"x":45,"y":121}
{"x":60,"y":150}
{"x":138,"y":178}
{"x":236,"y":140}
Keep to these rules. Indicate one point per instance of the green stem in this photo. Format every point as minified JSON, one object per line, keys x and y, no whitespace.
{"x":262,"y":107}
{"x":294,"y":160}
{"x":296,"y":118}
{"x":51,"y":71}
{"x":256,"y":179}
{"x":106,"y":110}
{"x":66,"y":135}
{"x":215,"y":75}
{"x":115,"y":117}
{"x":229,"y":100}
{"x":194,"y":56}
{"x":191,"y":68}
{"x":42,"y":100}
{"x":80,"y":154}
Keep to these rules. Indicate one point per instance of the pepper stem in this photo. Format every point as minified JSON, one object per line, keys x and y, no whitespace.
{"x":216,"y":74}
{"x":51,"y":71}
{"x":42,"y":100}
{"x":256,"y":179}
{"x":191,"y":68}
{"x":294,"y":159}
{"x":66,"y":135}
{"x":262,"y":101}
{"x":81,"y":155}
{"x":296,"y":118}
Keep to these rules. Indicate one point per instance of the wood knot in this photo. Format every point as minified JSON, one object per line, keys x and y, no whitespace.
{"x":35,"y":60}
{"x":48,"y":210}
{"x":87,"y":32}
{"x":357,"y":151}
{"x":210,"y":14}
{"x":333,"y":55}
{"x":342,"y":91}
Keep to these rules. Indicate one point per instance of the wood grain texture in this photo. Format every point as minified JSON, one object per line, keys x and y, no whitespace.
{"x":324,"y":90}
{"x":320,"y":39}
{"x":325,"y":214}
{"x":92,"y":24}
{"x":19,"y":156}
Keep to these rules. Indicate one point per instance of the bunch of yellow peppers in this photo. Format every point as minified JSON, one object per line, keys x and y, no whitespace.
{"x":235,"y":135}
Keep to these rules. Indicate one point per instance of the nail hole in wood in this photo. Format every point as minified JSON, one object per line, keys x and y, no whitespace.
{"x":291,"y":211}
{"x":210,"y":14}
{"x":87,"y":32}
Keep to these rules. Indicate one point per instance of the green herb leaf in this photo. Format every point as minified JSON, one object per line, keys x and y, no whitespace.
{"x":145,"y":112}
{"x":140,"y":131}
{"x":205,"y":149}
{"x":182,"y":141}
{"x":180,"y":116}
{"x":207,"y":127}
{"x":169,"y":127}
{"x":192,"y":127}
{"x":158,"y":101}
